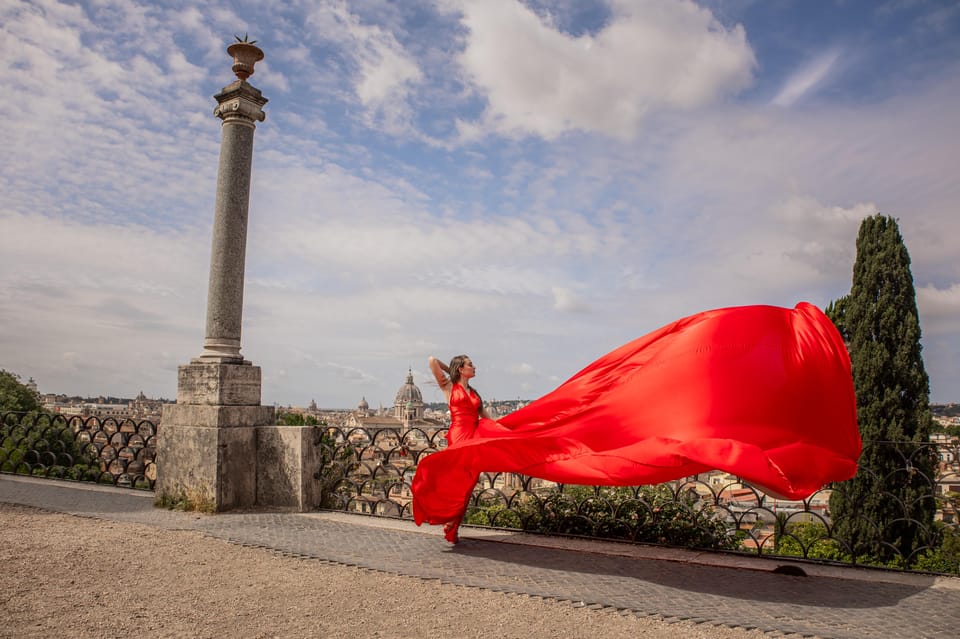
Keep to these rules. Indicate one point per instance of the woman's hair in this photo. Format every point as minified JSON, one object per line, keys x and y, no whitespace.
{"x":455,"y":365}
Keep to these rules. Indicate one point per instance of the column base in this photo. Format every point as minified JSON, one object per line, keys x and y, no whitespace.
{"x":209,"y":453}
{"x":218,"y":384}
{"x":235,"y":457}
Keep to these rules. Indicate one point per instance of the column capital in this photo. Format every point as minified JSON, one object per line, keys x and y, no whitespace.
{"x":240,"y":101}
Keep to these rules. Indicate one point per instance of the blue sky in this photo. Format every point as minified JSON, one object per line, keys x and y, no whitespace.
{"x":532,"y":183}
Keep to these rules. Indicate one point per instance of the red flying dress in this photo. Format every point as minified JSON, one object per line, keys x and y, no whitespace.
{"x":762,"y":392}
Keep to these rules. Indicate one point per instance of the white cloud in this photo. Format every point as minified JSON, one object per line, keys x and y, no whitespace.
{"x":349,"y":373}
{"x":747,"y":204}
{"x":365,"y":231}
{"x":270,"y":79}
{"x":565,"y":300}
{"x":384,"y":72}
{"x":93,"y":134}
{"x":522,"y":368}
{"x":653,"y":55}
{"x":806,"y":79}
{"x":820,"y":236}
{"x":939,"y":308}
{"x":89,"y":305}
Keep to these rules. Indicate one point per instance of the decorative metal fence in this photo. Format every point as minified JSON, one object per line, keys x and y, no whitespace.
{"x":119,"y":452}
{"x":370,"y":472}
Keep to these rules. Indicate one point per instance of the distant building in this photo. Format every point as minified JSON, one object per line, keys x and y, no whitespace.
{"x":408,"y":405}
{"x":143,"y":408}
{"x":138,"y":409}
{"x":408,"y":414}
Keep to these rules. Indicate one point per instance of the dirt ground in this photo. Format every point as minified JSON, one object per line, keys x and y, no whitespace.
{"x":66,"y":576}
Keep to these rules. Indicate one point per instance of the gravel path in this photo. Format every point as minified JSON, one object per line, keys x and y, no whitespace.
{"x":69,"y":576}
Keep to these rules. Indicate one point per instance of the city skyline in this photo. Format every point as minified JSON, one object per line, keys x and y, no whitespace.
{"x":531,"y":183}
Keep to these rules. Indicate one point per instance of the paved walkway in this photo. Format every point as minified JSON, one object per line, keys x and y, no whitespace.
{"x":709,"y":587}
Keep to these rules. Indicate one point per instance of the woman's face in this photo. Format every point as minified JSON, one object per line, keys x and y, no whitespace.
{"x":467,"y":370}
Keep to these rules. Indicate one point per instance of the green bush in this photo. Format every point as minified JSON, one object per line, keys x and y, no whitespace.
{"x":494,"y":515}
{"x":285,"y":418}
{"x":41,"y":445}
{"x":946,"y":557}
{"x":806,"y":539}
{"x":646,"y":514}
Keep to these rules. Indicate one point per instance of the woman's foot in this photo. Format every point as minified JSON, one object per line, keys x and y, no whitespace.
{"x":450,"y":531}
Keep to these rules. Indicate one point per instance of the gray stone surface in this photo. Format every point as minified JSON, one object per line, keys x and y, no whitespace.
{"x":860,"y":604}
{"x":217,"y":416}
{"x":287,"y":463}
{"x":216,"y":384}
{"x":211,"y":451}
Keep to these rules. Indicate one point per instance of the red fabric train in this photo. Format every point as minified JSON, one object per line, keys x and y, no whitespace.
{"x":763,"y":392}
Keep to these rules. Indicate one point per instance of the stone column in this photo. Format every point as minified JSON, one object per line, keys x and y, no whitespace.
{"x":207,"y":442}
{"x":240,"y":106}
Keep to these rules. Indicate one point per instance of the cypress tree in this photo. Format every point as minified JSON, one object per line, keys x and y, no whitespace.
{"x":886,"y":511}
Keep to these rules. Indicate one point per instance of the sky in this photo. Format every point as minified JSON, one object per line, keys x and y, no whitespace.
{"x":531,"y":183}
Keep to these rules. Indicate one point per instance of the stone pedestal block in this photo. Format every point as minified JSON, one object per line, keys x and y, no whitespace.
{"x":210,"y":452}
{"x":287,"y":463}
{"x":213,"y":384}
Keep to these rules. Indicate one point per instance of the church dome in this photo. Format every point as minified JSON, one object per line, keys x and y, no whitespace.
{"x":408,"y":392}
{"x":363,"y":405}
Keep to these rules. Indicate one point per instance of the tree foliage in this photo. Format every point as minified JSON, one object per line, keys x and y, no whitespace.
{"x":15,"y":396}
{"x":290,"y":418}
{"x":886,"y":511}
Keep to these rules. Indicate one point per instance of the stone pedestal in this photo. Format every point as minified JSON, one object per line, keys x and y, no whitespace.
{"x":218,"y":447}
{"x":207,"y":441}
{"x":287,"y":463}
{"x":205,"y":453}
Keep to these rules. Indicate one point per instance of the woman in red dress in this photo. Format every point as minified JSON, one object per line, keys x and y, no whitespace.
{"x":466,"y":409}
{"x":762,"y":392}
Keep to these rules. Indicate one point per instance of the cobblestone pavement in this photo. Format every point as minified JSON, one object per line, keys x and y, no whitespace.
{"x":670,"y":584}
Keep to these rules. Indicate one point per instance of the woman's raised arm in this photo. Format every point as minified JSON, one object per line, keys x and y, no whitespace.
{"x":440,"y":370}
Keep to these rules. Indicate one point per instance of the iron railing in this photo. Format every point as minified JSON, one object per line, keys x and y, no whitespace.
{"x":115,"y":451}
{"x":370,"y":472}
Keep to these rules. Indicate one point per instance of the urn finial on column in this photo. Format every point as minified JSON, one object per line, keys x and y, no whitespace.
{"x":245,"y":55}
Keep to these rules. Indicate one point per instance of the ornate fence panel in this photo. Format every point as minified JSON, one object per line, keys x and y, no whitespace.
{"x":119,"y":452}
{"x":370,"y":472}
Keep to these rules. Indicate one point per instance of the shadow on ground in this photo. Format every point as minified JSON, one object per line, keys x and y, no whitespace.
{"x":758,"y":586}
